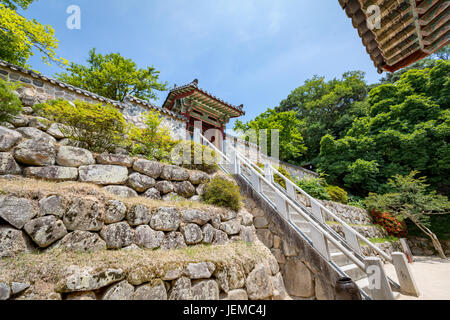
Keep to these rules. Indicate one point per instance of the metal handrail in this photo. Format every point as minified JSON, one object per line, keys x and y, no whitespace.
{"x":329,"y":212}
{"x":336,"y":243}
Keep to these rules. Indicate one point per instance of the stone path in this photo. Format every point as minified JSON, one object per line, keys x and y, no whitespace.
{"x":432,"y":278}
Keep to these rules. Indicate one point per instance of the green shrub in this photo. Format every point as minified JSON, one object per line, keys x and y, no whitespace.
{"x":315,"y":187}
{"x":154,"y":141}
{"x":223,"y":193}
{"x":337,"y":194}
{"x":10,"y":104}
{"x":95,"y":126}
{"x":194,"y":156}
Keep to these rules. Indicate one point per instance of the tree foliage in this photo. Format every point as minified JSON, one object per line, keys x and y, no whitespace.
{"x":326,"y":108}
{"x":21,"y":37}
{"x":290,"y":139}
{"x":113,"y":76}
{"x":407,"y":128}
{"x":410,"y":199}
{"x":10,"y":104}
{"x":96,"y":127}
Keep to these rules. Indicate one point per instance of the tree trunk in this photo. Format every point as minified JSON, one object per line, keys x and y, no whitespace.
{"x":434,"y":239}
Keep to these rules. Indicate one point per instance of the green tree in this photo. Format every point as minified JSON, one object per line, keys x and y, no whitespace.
{"x":114,"y":77}
{"x":411,"y":200}
{"x":407,"y":128}
{"x":290,"y":139}
{"x":20,"y":37}
{"x":326,"y":108}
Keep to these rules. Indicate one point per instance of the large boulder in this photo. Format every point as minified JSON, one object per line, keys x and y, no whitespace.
{"x":19,"y":121}
{"x":202,"y":270}
{"x":16,"y":211}
{"x":34,"y":133}
{"x":138,"y":215}
{"x":195,"y":216}
{"x":205,"y":290}
{"x":140,"y":182}
{"x":8,"y":165}
{"x":45,"y":230}
{"x":52,"y":205}
{"x":231,"y":227}
{"x":74,"y":157}
{"x":117,"y":235}
{"x":146,"y":237}
{"x":39,"y":123}
{"x":156,"y":290}
{"x":52,"y":173}
{"x":208,"y":233}
{"x":84,"y":214}
{"x":164,"y":187}
{"x":184,"y":189}
{"x":121,"y":191}
{"x":192,"y":233}
{"x":12,"y":242}
{"x":58,"y":131}
{"x":115,"y":211}
{"x":173,"y":240}
{"x":150,"y":168}
{"x":237,"y":295}
{"x":115,"y":159}
{"x":298,"y":279}
{"x":103,"y":174}
{"x":36,"y":152}
{"x":87,"y":279}
{"x":165,"y":219}
{"x":259,"y":283}
{"x":8,"y":138}
{"x":174,"y":173}
{"x":198,"y":177}
{"x":152,"y":194}
{"x":5,"y":291}
{"x":81,"y":241}
{"x":119,"y":291}
{"x":181,"y":290}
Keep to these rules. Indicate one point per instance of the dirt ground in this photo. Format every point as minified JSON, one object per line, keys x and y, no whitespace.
{"x":432,"y":275}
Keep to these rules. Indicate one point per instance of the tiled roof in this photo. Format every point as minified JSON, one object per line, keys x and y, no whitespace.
{"x":88,"y":93}
{"x":410,"y":30}
{"x":194,"y":86}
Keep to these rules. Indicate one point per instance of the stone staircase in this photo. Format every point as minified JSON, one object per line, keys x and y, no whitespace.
{"x":307,"y":217}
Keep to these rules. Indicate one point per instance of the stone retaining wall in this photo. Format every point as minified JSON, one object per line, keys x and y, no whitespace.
{"x":424,"y":246}
{"x":37,"y":88}
{"x":306,"y":274}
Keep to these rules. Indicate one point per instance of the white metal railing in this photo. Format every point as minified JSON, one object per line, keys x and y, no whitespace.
{"x":350,"y":233}
{"x":286,"y":201}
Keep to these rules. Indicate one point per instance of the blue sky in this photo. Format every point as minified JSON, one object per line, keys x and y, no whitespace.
{"x":253,"y":52}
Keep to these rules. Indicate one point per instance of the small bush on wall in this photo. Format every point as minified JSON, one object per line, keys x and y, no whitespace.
{"x":153,"y":141}
{"x":279,"y":180}
{"x":95,"y":126}
{"x":337,"y":194}
{"x":10,"y":104}
{"x":315,"y":187}
{"x":194,"y":156}
{"x":223,"y":193}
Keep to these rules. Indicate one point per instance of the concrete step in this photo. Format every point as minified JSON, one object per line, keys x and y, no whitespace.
{"x":363,"y":284}
{"x":340,"y":259}
{"x":353,"y":272}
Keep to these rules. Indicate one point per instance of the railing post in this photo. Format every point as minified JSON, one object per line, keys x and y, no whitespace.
{"x":291,"y":190}
{"x":281,"y":205}
{"x":268,"y":172}
{"x":407,"y":283}
{"x":317,"y":211}
{"x":197,"y":135}
{"x":319,"y":242}
{"x":379,"y":286}
{"x":256,"y":182}
{"x":352,"y":239}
